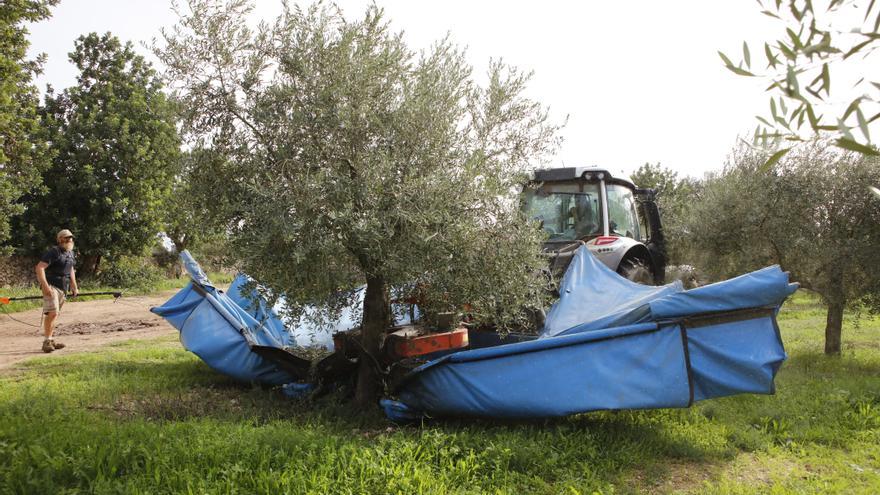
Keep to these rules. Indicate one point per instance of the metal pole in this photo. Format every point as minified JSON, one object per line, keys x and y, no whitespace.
{"x":7,"y":300}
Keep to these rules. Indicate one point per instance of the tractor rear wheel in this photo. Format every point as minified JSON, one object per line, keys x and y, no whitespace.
{"x":636,"y":270}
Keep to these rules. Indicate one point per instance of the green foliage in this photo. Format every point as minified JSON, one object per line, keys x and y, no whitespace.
{"x":673,"y":192}
{"x":352,"y":159}
{"x":662,"y":180}
{"x":23,"y":150}
{"x":190,"y":216}
{"x":130,"y":272}
{"x":674,"y":197}
{"x":812,"y":213}
{"x":148,"y":417}
{"x":800,"y":63}
{"x":115,"y":145}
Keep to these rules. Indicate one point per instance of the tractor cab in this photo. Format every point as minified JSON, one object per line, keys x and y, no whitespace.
{"x":619,"y":222}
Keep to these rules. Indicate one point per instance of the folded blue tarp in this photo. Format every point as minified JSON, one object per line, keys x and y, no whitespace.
{"x":229,"y":330}
{"x":612,"y":344}
{"x":592,"y":296}
{"x":221,"y":332}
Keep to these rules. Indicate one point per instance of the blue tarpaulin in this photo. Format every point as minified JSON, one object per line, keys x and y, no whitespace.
{"x":592,"y":296}
{"x":221,"y":331}
{"x":226,"y":328}
{"x":612,"y":344}
{"x":607,"y":343}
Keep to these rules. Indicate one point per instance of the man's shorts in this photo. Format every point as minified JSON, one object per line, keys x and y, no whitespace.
{"x":53,"y":303}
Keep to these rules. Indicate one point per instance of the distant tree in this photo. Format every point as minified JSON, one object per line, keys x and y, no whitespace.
{"x":655,"y":176}
{"x":671,"y":190}
{"x":190,"y":215}
{"x":352,"y":160}
{"x":115,"y":146}
{"x":23,"y":151}
{"x":818,"y":40}
{"x":190,"y":207}
{"x":811,"y":213}
{"x":674,"y":196}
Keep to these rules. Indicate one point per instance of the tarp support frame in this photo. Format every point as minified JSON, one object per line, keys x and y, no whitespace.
{"x":710,"y":319}
{"x":687,"y":363}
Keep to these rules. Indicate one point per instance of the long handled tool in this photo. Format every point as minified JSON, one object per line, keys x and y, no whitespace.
{"x":7,"y":300}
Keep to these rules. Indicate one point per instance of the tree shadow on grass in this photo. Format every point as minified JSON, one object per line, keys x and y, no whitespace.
{"x":605,"y":447}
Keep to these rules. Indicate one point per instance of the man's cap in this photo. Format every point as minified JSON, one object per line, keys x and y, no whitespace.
{"x":62,"y":234}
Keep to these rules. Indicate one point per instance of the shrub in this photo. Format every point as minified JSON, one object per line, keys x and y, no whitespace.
{"x":130,"y":272}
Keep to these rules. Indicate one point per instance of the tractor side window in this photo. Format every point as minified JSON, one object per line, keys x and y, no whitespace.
{"x":643,"y":221}
{"x":622,"y":216}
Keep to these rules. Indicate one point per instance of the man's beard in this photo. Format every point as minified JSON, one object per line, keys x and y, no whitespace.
{"x":67,"y":246}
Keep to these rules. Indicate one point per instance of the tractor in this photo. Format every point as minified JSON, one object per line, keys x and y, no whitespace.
{"x":618,"y":222}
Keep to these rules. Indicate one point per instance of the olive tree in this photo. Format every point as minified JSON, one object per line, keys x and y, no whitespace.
{"x":351,"y":159}
{"x":811,"y":213}
{"x":189,"y":213}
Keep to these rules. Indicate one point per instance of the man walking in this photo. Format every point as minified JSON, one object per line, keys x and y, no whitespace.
{"x":56,"y":276}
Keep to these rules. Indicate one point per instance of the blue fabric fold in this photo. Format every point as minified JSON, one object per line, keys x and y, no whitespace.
{"x":609,"y":343}
{"x":218,"y":330}
{"x":592,"y":297}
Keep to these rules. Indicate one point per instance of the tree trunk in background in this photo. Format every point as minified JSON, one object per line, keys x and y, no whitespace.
{"x":835,"y":296}
{"x":89,"y":266}
{"x":833,"y":326}
{"x":376,"y":319}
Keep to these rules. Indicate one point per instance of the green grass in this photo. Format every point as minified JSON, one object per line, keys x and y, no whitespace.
{"x":148,"y":417}
{"x":219,"y":278}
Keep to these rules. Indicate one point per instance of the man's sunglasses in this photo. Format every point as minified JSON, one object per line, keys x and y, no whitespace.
{"x":68,"y":238}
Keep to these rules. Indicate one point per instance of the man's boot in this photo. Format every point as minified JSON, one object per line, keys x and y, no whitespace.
{"x":57,"y":345}
{"x":47,"y":346}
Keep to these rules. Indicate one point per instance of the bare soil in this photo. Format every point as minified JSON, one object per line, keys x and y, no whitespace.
{"x":82,"y":326}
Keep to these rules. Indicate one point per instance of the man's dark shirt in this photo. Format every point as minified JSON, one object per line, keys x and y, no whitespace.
{"x":60,"y":263}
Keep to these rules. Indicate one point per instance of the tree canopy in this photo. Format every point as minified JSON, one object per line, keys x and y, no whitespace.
{"x":190,"y":214}
{"x":23,"y":150}
{"x":115,"y":148}
{"x":811,"y":213}
{"x":674,"y":197}
{"x":352,"y":159}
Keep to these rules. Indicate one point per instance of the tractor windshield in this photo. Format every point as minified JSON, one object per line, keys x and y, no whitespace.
{"x":566,"y":211}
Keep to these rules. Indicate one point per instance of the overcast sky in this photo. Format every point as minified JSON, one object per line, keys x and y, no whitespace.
{"x":640,"y":81}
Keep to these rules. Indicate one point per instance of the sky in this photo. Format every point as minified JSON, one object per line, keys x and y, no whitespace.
{"x":639,"y":81}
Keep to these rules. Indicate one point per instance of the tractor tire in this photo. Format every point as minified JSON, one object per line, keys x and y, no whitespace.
{"x":636,"y":270}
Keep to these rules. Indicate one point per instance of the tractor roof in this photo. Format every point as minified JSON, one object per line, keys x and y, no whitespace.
{"x":574,"y":173}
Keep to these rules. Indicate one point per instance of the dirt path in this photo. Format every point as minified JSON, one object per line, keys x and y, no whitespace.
{"x":83,"y":327}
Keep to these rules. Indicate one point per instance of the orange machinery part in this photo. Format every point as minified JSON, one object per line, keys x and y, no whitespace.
{"x":404,"y":347}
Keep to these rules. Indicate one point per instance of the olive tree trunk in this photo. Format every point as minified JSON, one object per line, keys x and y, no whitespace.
{"x":833,"y":326}
{"x":376,"y":319}
{"x":835,"y":297}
